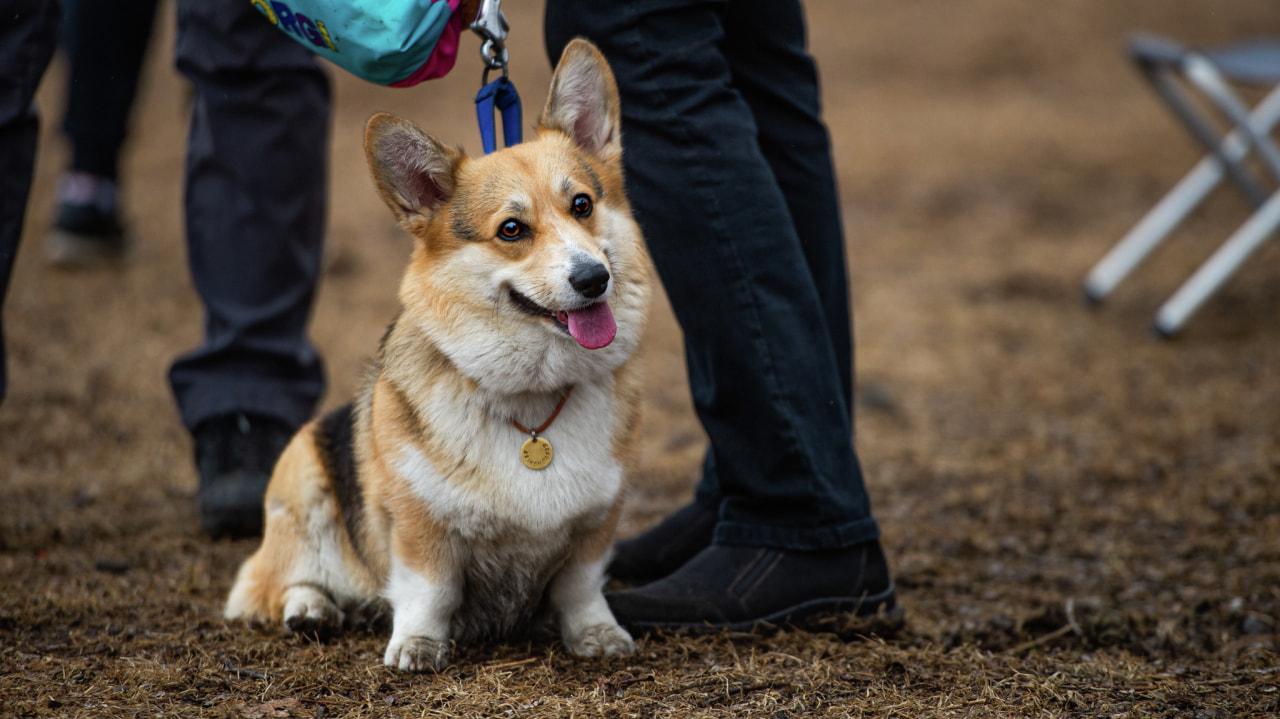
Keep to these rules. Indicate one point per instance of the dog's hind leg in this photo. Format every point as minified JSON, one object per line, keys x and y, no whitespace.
{"x":256,"y":592}
{"x":309,"y":609}
{"x":302,"y":574}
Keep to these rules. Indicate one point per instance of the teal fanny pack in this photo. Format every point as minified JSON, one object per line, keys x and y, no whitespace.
{"x":388,"y":42}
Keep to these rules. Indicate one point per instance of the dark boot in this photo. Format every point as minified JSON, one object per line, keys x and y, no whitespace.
{"x":665,"y":547}
{"x":235,"y":455}
{"x":738,"y":588}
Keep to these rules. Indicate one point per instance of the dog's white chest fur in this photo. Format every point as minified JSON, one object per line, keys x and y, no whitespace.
{"x":491,"y":491}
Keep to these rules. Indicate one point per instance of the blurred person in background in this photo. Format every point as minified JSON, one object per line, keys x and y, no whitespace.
{"x":28,"y":35}
{"x":254,"y":203}
{"x":105,"y":42}
{"x":254,"y":199}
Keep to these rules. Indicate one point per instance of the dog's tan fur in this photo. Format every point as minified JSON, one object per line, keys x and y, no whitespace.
{"x":439,"y":517}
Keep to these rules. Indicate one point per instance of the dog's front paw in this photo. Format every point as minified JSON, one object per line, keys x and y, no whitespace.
{"x":417,"y":654}
{"x":610,"y":640}
{"x":308,"y":610}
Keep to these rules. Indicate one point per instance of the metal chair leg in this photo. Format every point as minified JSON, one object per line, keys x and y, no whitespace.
{"x":1224,"y":262}
{"x":1151,"y":230}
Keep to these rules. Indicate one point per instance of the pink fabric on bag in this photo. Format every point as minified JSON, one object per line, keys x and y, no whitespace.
{"x":445,"y":54}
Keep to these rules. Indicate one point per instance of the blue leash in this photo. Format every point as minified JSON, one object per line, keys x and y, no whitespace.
{"x":500,"y":94}
{"x":491,"y":26}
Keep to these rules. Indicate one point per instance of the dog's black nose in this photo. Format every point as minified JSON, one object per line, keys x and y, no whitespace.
{"x":590,"y":279}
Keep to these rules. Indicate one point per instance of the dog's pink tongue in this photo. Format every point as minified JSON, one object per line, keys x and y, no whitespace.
{"x":593,"y":326}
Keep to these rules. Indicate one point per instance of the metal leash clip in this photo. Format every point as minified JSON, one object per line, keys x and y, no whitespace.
{"x":499,"y":95}
{"x":491,"y":25}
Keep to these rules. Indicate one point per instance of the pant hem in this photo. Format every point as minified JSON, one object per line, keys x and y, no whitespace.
{"x":200,"y":404}
{"x":806,"y":539}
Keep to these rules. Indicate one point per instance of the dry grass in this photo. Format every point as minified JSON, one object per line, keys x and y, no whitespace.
{"x":1082,"y":521}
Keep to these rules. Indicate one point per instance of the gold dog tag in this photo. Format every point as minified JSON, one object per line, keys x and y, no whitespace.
{"x":536,"y":453}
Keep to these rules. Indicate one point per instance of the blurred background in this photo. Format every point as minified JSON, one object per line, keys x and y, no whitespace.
{"x":1019,"y":447}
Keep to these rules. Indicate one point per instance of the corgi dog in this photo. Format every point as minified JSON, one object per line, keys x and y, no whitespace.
{"x":474,"y":485}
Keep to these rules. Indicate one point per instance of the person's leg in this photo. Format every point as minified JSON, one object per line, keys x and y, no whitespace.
{"x":770,"y":383}
{"x":774,"y":74}
{"x":105,"y":43}
{"x":27,"y":40}
{"x":765,"y":65}
{"x":255,"y":204}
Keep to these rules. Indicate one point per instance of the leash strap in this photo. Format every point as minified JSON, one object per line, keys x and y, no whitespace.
{"x":500,"y":94}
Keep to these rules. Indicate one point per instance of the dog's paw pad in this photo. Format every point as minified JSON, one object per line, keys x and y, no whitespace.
{"x":610,"y":640}
{"x":417,"y":654}
{"x":309,"y":611}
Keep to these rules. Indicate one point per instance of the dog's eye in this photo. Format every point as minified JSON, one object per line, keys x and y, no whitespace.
{"x":510,"y":230}
{"x":582,"y":206}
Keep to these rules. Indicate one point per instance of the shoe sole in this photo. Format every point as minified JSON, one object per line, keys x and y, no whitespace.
{"x":68,"y":249}
{"x":842,"y":615}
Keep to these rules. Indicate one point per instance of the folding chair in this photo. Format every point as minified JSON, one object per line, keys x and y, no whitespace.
{"x":1189,"y":81}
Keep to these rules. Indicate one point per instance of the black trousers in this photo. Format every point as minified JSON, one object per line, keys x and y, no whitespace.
{"x":28,"y":34}
{"x":105,"y":42}
{"x":255,"y":197}
{"x":255,"y":203}
{"x":729,"y":171}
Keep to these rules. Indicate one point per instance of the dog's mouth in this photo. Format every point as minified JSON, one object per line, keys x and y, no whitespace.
{"x":592,"y":325}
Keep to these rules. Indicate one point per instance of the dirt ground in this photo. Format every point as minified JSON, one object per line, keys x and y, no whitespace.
{"x":1082,"y":520}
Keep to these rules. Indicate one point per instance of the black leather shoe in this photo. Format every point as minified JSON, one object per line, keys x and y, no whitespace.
{"x":235,"y":454}
{"x":665,"y":547}
{"x":740,"y":588}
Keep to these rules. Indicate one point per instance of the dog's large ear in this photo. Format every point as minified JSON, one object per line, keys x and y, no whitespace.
{"x":414,"y":172}
{"x":583,"y":102}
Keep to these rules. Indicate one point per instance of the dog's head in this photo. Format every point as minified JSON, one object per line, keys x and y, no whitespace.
{"x":528,"y":270}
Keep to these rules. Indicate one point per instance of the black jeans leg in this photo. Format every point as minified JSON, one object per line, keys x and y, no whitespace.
{"x":763,"y":310}
{"x":105,"y":43}
{"x":28,"y":34}
{"x":765,"y":45}
{"x":255,"y":204}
